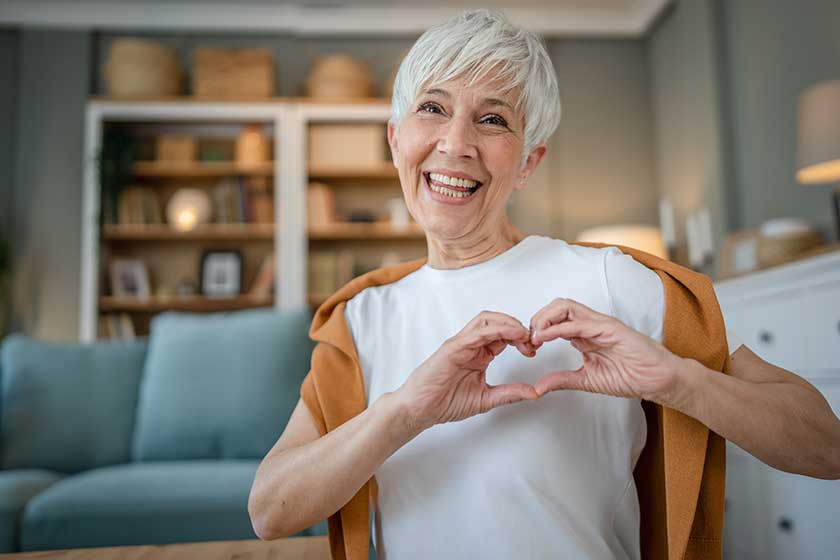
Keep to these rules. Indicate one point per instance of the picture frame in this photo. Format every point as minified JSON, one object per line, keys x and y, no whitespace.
{"x":129,"y":278}
{"x":220,"y":273}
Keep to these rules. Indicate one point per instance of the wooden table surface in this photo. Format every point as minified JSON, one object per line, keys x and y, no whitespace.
{"x":294,"y":548}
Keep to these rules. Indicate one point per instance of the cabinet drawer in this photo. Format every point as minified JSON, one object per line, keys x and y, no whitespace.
{"x":819,"y":313}
{"x":796,"y":330}
{"x":766,"y":329}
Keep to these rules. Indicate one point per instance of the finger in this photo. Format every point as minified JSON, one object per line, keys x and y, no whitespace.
{"x":562,"y":380}
{"x":497,"y":347}
{"x":572,"y":328}
{"x":584,"y":345}
{"x":487,"y":317}
{"x":560,"y":310}
{"x":510,"y":393}
{"x":485,"y":335}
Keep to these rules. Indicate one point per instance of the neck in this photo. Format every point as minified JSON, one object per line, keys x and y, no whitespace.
{"x":447,"y":254}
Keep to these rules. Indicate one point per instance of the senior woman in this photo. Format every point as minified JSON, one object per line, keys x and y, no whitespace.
{"x":410,"y":387}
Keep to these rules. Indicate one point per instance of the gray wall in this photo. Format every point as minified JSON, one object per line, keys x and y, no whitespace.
{"x":684,"y":64}
{"x":8,"y":92}
{"x":599,"y":169}
{"x":52,"y":91}
{"x":773,"y":51}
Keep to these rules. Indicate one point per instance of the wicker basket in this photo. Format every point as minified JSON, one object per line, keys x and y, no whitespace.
{"x":780,"y":249}
{"x":233,"y":73}
{"x":140,"y":68}
{"x":339,"y":76}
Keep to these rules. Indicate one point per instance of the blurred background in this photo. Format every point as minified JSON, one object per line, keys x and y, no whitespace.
{"x":181,"y":160}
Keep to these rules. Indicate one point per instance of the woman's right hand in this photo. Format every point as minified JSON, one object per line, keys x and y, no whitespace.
{"x":450,"y":385}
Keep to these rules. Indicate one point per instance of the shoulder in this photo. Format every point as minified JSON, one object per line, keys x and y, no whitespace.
{"x":372,"y":301}
{"x":636,"y":293}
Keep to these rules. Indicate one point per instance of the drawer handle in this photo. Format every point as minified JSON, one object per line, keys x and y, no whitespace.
{"x":785,"y":524}
{"x":766,"y":337}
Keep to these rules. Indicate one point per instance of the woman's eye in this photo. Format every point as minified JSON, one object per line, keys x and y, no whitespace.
{"x":431,"y":108}
{"x":494,"y":119}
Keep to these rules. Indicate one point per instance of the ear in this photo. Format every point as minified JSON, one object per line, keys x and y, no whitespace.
{"x":392,"y":141}
{"x":531,"y":163}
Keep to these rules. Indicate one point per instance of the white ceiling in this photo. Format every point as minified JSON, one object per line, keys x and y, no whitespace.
{"x":617,"y":18}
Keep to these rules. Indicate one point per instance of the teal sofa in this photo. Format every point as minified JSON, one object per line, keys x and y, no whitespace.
{"x":153,"y":441}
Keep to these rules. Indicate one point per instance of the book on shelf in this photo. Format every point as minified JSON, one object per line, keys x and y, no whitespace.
{"x":243,"y":200}
{"x":260,"y":199}
{"x":119,"y":326}
{"x":138,"y":205}
{"x":320,"y":205}
{"x":328,"y":271}
{"x":263,"y":284}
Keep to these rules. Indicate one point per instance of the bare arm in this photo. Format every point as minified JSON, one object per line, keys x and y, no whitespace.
{"x":306,"y":478}
{"x":768,"y":411}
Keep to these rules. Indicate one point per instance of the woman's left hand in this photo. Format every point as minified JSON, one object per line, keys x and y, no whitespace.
{"x":617,"y":360}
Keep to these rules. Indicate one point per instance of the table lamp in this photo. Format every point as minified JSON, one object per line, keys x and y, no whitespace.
{"x":644,"y":238}
{"x":818,"y":154}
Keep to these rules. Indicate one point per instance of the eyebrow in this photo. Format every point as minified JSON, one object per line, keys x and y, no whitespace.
{"x":487,"y":101}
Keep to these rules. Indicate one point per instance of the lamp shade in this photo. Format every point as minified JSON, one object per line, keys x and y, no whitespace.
{"x":644,"y":238}
{"x":819,"y":134}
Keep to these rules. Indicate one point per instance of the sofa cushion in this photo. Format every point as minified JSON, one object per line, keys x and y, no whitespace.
{"x":220,"y":385}
{"x":58,"y":397}
{"x":16,"y":488}
{"x":143,"y":503}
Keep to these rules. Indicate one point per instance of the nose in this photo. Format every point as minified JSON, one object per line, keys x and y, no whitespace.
{"x":457,"y":139}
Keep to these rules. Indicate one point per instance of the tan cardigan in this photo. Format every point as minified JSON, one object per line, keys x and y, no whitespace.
{"x":681,"y":472}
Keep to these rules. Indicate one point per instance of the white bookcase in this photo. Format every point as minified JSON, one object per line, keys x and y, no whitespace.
{"x":289,"y":118}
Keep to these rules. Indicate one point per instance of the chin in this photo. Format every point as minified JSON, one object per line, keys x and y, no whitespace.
{"x":444,"y":228}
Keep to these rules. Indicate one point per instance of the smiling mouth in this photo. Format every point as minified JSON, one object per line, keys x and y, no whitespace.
{"x":441,"y":184}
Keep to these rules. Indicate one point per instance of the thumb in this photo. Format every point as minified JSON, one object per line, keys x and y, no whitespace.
{"x":564,"y":379}
{"x":498,"y":395}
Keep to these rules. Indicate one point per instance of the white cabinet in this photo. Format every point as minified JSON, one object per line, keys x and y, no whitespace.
{"x":790,"y":316}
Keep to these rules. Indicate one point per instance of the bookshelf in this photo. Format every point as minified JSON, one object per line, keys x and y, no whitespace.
{"x":199,"y":169}
{"x":345,"y":154}
{"x":310,"y":260}
{"x":210,"y":232}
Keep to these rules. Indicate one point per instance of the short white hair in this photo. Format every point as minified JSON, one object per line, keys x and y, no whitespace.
{"x":472,"y":45}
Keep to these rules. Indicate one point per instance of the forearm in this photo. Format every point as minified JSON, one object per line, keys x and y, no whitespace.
{"x":785,"y":425}
{"x":301,"y":486}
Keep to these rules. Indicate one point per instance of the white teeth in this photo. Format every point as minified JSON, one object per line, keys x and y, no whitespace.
{"x":454,"y":181}
{"x":450,"y":192}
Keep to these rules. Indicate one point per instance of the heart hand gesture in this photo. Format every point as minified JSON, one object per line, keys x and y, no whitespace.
{"x":617,"y":360}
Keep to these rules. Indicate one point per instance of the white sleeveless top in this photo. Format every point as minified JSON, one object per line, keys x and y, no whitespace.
{"x":546,"y":479}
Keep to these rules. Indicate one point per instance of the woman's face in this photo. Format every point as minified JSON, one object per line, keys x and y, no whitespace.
{"x":458,"y":151}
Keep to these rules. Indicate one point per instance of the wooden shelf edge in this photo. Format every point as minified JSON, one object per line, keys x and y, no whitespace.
{"x":320,"y":172}
{"x":175,"y":303}
{"x":257,"y":100}
{"x":199,"y":169}
{"x":210,"y":232}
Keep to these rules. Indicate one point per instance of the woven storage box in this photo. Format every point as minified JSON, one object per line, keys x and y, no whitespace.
{"x":347,"y":145}
{"x":171,"y":147}
{"x":780,"y":249}
{"x":239,"y":73}
{"x":339,"y":76}
{"x":140,"y":68}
